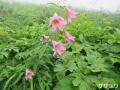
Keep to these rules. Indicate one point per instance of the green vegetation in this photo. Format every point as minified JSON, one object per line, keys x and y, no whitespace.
{"x":92,"y":59}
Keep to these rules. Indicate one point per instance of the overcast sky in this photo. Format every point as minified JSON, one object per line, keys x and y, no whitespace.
{"x":108,"y":5}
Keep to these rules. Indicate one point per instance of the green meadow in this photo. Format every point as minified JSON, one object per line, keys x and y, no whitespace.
{"x":90,"y":61}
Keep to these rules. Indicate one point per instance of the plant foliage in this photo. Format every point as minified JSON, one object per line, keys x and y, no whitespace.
{"x":93,"y":59}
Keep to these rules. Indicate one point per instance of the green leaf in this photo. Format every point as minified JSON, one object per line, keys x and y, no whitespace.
{"x":5,"y":54}
{"x":84,"y":86}
{"x":81,"y":37}
{"x":76,"y":48}
{"x":71,"y":66}
{"x":8,"y":81}
{"x":54,"y":4}
{"x":59,"y":68}
{"x":18,"y":79}
{"x":42,"y":51}
{"x":65,"y":84}
{"x":77,"y":81}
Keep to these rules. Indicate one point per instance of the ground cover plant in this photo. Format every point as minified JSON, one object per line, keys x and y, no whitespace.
{"x":42,"y":47}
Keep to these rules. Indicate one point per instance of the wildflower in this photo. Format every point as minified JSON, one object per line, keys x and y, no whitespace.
{"x":28,"y":74}
{"x":70,"y":14}
{"x":57,"y":21}
{"x":58,"y":47}
{"x":68,"y":36}
{"x":45,"y":38}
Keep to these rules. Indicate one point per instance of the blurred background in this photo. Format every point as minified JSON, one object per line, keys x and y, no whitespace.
{"x":104,"y":5}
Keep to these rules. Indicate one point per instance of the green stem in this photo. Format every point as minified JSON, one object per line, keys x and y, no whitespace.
{"x":24,"y":84}
{"x":31,"y":84}
{"x":56,"y":35}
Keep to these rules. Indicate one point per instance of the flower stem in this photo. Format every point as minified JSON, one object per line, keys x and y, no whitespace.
{"x":56,"y":35}
{"x":31,"y":84}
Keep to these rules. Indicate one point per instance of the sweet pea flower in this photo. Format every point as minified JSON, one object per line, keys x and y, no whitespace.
{"x":68,"y":36}
{"x":71,"y":14}
{"x":45,"y":38}
{"x":28,"y":74}
{"x":58,"y":47}
{"x":57,"y":21}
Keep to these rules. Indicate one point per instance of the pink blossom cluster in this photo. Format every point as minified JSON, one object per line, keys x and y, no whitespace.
{"x":28,"y":74}
{"x":56,"y":22}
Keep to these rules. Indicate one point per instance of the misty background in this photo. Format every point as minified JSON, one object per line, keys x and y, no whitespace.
{"x":104,"y":5}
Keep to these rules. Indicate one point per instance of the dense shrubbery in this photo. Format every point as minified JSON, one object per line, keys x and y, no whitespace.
{"x":92,"y":59}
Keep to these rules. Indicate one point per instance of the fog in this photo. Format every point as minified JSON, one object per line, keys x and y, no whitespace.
{"x":106,"y":5}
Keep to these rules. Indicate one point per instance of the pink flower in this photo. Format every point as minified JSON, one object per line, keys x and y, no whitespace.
{"x":71,"y":14}
{"x":57,"y":21}
{"x":58,"y":47}
{"x":68,"y":36}
{"x":28,"y":74}
{"x":44,"y":38}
